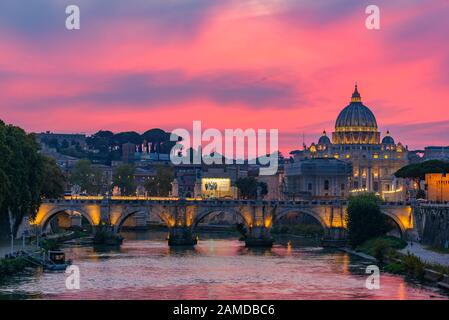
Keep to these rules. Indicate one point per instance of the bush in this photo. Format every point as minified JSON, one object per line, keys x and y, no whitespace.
{"x":414,"y":267}
{"x":10,"y":266}
{"x":364,"y":219}
{"x":395,"y":268}
{"x":380,"y":250}
{"x":49,"y":244}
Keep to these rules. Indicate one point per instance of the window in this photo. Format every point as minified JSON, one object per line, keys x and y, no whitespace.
{"x":356,"y":184}
{"x":326,"y":184}
{"x":309,"y":187}
{"x":342,"y":187}
{"x":376,"y":186}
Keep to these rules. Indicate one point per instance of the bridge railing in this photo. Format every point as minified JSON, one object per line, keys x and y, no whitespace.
{"x":215,"y":202}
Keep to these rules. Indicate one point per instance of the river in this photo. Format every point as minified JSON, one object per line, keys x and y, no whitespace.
{"x":219,"y":267}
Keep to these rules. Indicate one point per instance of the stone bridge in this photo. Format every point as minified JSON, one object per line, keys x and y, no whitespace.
{"x":182,"y":216}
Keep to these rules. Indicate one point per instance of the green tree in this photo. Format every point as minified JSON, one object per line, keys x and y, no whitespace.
{"x":90,"y":179}
{"x":21,"y":175}
{"x":365,"y":219}
{"x":98,"y":180}
{"x":160,"y":185}
{"x":124,"y":179}
{"x":417,"y":171}
{"x":53,"y":180}
{"x":248,"y":187}
{"x":81,"y":175}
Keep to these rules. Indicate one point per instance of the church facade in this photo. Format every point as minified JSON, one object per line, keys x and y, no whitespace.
{"x":357,"y":140}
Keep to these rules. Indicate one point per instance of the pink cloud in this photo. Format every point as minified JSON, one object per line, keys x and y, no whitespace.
{"x":54,"y":84}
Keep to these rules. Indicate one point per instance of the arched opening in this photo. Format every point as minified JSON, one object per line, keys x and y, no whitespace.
{"x":394,"y":227}
{"x":66,"y":220}
{"x":298,"y":223}
{"x":220,"y":224}
{"x":137,"y":225}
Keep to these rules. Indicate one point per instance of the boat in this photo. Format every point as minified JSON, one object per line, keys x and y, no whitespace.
{"x":56,"y":261}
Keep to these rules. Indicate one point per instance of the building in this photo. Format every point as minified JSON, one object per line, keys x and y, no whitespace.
{"x":207,"y":181}
{"x":437,"y":185}
{"x":65,"y":140}
{"x":275,"y":186}
{"x":357,"y":140}
{"x":318,"y":178}
{"x":128,"y":152}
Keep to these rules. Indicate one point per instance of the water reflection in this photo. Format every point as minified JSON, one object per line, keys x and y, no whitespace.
{"x":219,"y":267}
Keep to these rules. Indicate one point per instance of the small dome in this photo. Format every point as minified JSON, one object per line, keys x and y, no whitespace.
{"x":324,"y":139}
{"x":388,"y":139}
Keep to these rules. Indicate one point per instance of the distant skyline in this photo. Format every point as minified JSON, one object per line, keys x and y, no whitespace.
{"x":285,"y":64}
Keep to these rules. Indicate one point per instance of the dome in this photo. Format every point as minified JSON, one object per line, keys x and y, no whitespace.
{"x":356,"y":124}
{"x":356,"y":116}
{"x":388,"y":139}
{"x":324,"y":139}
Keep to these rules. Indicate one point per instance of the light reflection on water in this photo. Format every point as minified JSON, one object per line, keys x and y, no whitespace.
{"x":219,"y":267}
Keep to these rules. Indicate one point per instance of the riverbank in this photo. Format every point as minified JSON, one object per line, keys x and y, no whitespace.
{"x":13,"y":265}
{"x":394,"y":256}
{"x":427,"y":255}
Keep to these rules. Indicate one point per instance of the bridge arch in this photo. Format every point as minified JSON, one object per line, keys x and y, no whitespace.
{"x":208,"y":211}
{"x":397,"y":221}
{"x":311,"y":213}
{"x":54,"y":212}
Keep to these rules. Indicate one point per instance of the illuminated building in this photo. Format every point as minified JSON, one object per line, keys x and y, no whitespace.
{"x":318,"y":178}
{"x":437,"y":185}
{"x":357,"y":140}
{"x":207,"y":181}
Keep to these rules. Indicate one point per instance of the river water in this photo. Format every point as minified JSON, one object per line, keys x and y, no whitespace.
{"x":219,"y":267}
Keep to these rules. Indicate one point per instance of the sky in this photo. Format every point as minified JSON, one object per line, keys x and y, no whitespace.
{"x":263,"y":64}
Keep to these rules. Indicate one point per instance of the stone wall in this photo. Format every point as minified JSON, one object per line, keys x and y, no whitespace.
{"x":432,"y":224}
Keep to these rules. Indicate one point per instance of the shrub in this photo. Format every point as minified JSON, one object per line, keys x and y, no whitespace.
{"x":364,"y":219}
{"x":396,"y":268}
{"x":414,"y":267}
{"x":381,"y":249}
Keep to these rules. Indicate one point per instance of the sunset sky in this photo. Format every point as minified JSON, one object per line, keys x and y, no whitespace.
{"x":285,"y":64}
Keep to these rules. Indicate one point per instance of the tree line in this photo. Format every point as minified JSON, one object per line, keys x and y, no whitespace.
{"x":92,"y":179}
{"x":108,"y":145}
{"x":26,"y":176}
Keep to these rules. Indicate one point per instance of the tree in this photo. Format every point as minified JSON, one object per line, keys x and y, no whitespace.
{"x":53,"y":179}
{"x":248,"y":187}
{"x":98,"y":180}
{"x":365,"y":219}
{"x":417,"y":171}
{"x":124,"y":179}
{"x":25,"y":177}
{"x":160,"y":186}
{"x":81,"y":175}
{"x":21,"y":172}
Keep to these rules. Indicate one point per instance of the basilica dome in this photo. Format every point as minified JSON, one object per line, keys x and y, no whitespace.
{"x":356,"y":124}
{"x":356,"y":115}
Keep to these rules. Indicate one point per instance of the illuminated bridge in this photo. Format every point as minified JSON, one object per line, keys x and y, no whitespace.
{"x":182,"y":216}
